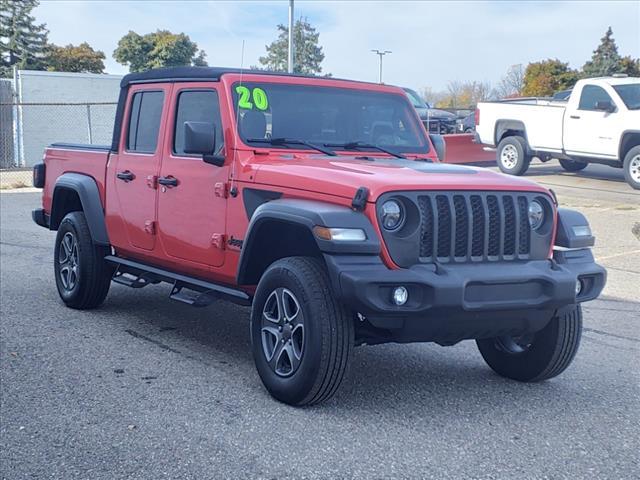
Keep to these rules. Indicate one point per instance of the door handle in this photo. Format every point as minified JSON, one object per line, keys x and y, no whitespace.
{"x":168,"y":181}
{"x":575,"y":117}
{"x":127,"y":176}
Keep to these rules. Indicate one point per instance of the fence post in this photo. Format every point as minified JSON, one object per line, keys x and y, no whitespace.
{"x":89,"y":123}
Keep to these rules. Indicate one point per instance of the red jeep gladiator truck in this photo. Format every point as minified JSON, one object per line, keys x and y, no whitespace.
{"x":322,"y":204}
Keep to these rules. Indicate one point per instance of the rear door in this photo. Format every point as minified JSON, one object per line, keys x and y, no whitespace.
{"x":191,"y":214}
{"x":588,"y":131}
{"x":137,"y":163}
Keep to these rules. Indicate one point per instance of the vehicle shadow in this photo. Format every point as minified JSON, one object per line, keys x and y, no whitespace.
{"x":382,"y":380}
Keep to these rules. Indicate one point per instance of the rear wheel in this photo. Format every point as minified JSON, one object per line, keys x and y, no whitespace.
{"x":512,"y":157}
{"x":82,"y":276}
{"x":538,"y":356}
{"x":632,"y":167}
{"x":301,"y":336}
{"x":573,"y":165}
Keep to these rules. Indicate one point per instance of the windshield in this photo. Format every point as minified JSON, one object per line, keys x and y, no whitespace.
{"x":630,"y":95}
{"x":325,"y":116}
{"x":416,"y":100}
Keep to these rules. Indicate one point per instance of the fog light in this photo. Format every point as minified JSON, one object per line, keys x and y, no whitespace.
{"x":400,"y":296}
{"x":578,"y":287}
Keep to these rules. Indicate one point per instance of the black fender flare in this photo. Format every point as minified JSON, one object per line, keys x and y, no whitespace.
{"x":87,"y":190}
{"x":308,"y":214}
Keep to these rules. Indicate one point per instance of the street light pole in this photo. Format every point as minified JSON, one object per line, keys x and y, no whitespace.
{"x":290,"y":53}
{"x":380,"y":54}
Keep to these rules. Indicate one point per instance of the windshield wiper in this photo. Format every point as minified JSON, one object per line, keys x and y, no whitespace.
{"x":359,"y":145}
{"x":291,"y":141}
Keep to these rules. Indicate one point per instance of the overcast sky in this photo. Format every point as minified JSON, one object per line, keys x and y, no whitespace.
{"x":432,"y":42}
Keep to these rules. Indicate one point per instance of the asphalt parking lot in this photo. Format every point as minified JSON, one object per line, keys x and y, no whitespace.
{"x":145,"y":387}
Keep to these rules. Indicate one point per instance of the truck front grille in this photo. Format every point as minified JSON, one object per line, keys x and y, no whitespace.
{"x":474,"y":226}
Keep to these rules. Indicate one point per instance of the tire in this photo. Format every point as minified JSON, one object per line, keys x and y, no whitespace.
{"x":573,"y":165}
{"x":82,"y":276}
{"x":548,"y":353}
{"x":310,"y":366}
{"x":512,"y":157}
{"x":632,"y":167}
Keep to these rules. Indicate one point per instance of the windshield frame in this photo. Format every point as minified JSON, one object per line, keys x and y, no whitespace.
{"x":622,"y":98}
{"x":423,"y":150}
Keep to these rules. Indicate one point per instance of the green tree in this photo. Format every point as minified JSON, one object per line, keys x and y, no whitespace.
{"x":72,"y":58}
{"x":542,"y":79}
{"x":630,"y":66}
{"x":605,"y":60}
{"x":307,"y":54}
{"x":22,"y":42}
{"x":158,"y":49}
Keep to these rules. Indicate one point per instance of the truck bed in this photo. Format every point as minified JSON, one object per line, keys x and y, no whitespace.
{"x":60,"y":158}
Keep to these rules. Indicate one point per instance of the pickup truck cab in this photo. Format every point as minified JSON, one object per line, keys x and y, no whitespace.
{"x":322,"y":205}
{"x":599,"y":122}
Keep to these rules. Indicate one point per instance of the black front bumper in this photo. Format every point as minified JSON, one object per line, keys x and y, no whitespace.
{"x":454,"y":301}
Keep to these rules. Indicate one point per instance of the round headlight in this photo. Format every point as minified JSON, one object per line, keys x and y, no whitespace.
{"x":392,"y":215}
{"x":536,"y":214}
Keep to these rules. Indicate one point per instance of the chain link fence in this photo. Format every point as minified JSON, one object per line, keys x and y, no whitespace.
{"x":27,"y":128}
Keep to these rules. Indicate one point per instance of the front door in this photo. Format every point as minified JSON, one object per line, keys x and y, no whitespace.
{"x":589,"y":131}
{"x":135,"y":167}
{"x":191,"y":213}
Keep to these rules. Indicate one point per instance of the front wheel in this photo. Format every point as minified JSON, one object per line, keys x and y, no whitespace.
{"x":301,"y":337}
{"x":632,"y":167}
{"x":512,"y":157}
{"x":572,"y":165}
{"x":538,"y":356}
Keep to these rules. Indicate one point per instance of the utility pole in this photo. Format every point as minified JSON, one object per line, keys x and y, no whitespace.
{"x":290,"y":53}
{"x":380,"y":53}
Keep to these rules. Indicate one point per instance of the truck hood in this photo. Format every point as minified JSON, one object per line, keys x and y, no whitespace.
{"x":343,"y":175}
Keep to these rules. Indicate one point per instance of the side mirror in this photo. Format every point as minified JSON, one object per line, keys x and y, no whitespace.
{"x":200,"y":138}
{"x":605,"y":106}
{"x":439,"y":144}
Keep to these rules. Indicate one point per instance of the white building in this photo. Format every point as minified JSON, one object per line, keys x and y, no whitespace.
{"x":62,"y":107}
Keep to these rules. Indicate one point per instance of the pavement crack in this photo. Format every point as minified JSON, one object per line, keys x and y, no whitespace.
{"x":158,"y":343}
{"x":600,"y":332}
{"x":24,"y":245}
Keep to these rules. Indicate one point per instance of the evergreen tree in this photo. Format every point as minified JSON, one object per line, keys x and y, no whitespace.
{"x":605,"y":60}
{"x":23,"y":43}
{"x":307,"y":54}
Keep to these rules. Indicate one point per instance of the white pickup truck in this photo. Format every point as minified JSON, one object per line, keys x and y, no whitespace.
{"x":598,"y":123}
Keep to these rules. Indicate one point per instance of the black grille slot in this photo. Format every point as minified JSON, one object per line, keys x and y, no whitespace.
{"x":477,"y":235}
{"x":525,"y":231}
{"x":444,"y":226}
{"x":426,"y":226}
{"x":462,"y":226}
{"x":465,"y":227}
{"x":510,"y":226}
{"x":494,"y":226}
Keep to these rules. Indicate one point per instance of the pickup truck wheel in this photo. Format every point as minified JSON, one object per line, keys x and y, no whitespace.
{"x":573,"y":165}
{"x":301,"y":336}
{"x":512,"y":157}
{"x":82,"y":276}
{"x":632,"y":167}
{"x":539,"y":356}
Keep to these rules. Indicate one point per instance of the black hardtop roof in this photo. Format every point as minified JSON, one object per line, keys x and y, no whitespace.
{"x":170,"y":74}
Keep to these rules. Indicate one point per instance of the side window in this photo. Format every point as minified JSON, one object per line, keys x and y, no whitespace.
{"x":144,"y":121}
{"x":197,"y":106}
{"x":592,"y":94}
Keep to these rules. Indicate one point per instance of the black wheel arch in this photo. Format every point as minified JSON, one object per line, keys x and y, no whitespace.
{"x":78,"y":192}
{"x":509,"y":128}
{"x":284,"y":228}
{"x":628,"y":140}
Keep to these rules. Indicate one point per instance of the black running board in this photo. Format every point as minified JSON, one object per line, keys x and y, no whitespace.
{"x":144,"y":274}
